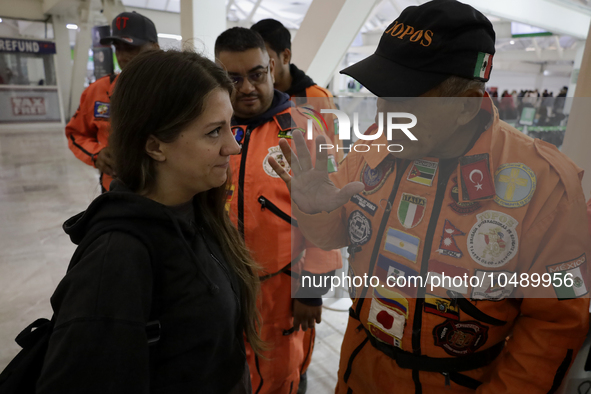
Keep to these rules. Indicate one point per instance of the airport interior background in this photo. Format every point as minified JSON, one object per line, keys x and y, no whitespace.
{"x":49,"y":52}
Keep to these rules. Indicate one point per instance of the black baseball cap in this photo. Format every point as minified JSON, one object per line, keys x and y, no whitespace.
{"x":131,"y":28}
{"x":426,"y":45}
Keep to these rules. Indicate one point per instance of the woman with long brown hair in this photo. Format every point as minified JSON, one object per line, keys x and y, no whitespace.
{"x":161,"y":290}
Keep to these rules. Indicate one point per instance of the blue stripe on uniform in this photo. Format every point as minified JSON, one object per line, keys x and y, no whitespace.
{"x":403,"y":236}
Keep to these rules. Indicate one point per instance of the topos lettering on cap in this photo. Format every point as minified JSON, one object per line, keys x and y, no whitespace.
{"x":400,"y":31}
{"x":426,"y":45}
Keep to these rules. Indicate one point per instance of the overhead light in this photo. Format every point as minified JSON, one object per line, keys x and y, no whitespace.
{"x":512,"y":42}
{"x":546,"y":73}
{"x":0,"y":20}
{"x":530,"y":49}
{"x":72,"y":26}
{"x":172,"y":36}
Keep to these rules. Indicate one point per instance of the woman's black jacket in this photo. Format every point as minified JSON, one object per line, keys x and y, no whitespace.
{"x":137,"y":262}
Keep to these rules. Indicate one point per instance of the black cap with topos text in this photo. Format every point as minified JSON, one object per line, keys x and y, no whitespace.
{"x":131,"y":28}
{"x":426,"y":45}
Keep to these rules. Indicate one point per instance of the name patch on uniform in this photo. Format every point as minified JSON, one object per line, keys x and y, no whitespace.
{"x":411,"y":210}
{"x":402,"y":244}
{"x":494,"y":285}
{"x":276,"y":153}
{"x":423,"y":172}
{"x":359,"y":228}
{"x":576,"y":285}
{"x":102,"y":110}
{"x":460,"y":338}
{"x":448,"y":245}
{"x":477,"y":183}
{"x":462,"y":208}
{"x":365,"y":204}
{"x":375,"y":179}
{"x":441,"y":307}
{"x":515,"y":184}
{"x":493,"y":241}
{"x":288,"y":134}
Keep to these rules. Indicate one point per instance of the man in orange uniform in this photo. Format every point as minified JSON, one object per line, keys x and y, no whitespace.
{"x":261,"y":207}
{"x":471,"y":199}
{"x":88,"y":130}
{"x":292,"y":80}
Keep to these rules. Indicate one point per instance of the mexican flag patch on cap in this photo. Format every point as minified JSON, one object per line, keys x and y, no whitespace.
{"x":483,"y":65}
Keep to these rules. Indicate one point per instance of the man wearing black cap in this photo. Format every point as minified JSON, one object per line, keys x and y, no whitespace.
{"x":456,"y":219}
{"x":88,"y":130}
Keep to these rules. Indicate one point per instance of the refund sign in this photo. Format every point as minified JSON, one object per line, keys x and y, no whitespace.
{"x":26,"y":46}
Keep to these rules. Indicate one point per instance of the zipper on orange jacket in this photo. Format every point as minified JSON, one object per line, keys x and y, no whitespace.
{"x":241,"y":182}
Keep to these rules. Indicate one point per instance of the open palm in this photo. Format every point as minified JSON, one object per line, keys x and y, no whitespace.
{"x":310,"y":187}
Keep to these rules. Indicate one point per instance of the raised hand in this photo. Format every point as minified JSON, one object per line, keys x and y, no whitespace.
{"x":310,"y":187}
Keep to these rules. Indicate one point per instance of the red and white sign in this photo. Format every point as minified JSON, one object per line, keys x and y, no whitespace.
{"x":28,"y":106}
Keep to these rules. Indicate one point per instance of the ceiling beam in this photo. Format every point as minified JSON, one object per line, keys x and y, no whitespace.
{"x":546,"y":14}
{"x":22,"y":9}
{"x":326,"y":33}
{"x":255,"y":7}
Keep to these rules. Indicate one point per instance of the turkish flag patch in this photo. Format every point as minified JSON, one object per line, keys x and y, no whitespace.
{"x":477,"y":182}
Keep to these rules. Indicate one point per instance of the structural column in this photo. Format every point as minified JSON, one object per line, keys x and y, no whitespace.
{"x":577,"y":139}
{"x":202,"y":21}
{"x":64,"y":61}
{"x":83,"y":42}
{"x":325,"y":35}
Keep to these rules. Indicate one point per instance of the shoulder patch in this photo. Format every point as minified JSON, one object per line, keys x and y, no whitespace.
{"x":284,"y":121}
{"x":102,"y":109}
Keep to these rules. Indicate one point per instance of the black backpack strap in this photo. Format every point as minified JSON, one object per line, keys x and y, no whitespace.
{"x":34,"y":332}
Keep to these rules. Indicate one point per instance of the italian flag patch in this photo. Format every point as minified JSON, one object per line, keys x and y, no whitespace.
{"x":483,"y":65}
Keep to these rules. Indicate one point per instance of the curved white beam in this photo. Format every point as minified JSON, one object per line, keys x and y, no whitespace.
{"x":545,"y":14}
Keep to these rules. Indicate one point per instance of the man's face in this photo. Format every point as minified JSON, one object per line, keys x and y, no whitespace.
{"x":252,"y":71}
{"x":436,"y":128}
{"x":125,"y":52}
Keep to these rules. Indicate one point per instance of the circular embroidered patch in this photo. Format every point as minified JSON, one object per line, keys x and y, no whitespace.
{"x":493,"y":241}
{"x":515,"y":184}
{"x":359,"y":228}
{"x":460,"y":338}
{"x":375,"y":179}
{"x":276,"y":153}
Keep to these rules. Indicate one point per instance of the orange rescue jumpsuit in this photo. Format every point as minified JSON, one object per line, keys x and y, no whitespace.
{"x":88,"y":130}
{"x":260,"y":206}
{"x":511,"y":204}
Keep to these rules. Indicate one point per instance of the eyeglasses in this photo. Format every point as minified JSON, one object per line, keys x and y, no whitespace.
{"x":254,"y":78}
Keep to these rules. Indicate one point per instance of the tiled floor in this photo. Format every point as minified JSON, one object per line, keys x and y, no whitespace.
{"x":42,"y":185}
